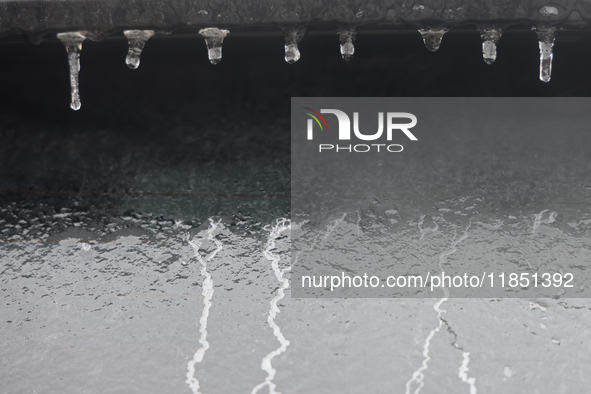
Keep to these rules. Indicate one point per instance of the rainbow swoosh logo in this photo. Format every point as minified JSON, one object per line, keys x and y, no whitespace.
{"x":315,"y":116}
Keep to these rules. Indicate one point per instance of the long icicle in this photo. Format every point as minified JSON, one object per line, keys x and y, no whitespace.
{"x":73,"y":42}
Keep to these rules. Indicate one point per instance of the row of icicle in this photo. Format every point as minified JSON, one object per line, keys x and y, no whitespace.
{"x":214,"y":38}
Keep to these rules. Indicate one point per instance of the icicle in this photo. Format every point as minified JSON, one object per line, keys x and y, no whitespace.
{"x":214,"y":38}
{"x":546,"y":43}
{"x":292,"y":39}
{"x":490,"y":35}
{"x":432,"y":37}
{"x":347,"y":37}
{"x":136,"y":39}
{"x":73,"y":43}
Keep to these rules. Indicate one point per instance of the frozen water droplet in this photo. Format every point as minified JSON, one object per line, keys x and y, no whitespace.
{"x":489,"y":51}
{"x":214,"y":38}
{"x":432,"y":37}
{"x":292,"y":39}
{"x":546,"y":43}
{"x":507,"y":372}
{"x":347,"y":50}
{"x":136,"y":39}
{"x":548,"y":10}
{"x":292,"y":53}
{"x":347,"y":37}
{"x":73,"y":42}
{"x":490,"y":35}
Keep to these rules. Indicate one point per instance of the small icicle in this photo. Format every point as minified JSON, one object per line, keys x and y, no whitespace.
{"x":490,"y":35}
{"x":546,"y":43}
{"x":136,"y":39}
{"x":432,"y":37}
{"x":73,"y":43}
{"x":347,"y":37}
{"x":292,"y":39}
{"x":214,"y":38}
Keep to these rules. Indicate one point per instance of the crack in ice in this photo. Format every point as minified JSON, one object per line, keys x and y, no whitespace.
{"x":418,"y":375}
{"x":207,"y":295}
{"x":282,"y":225}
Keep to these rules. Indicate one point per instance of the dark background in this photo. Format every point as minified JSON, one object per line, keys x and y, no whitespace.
{"x":178,"y":111}
{"x":175,"y":82}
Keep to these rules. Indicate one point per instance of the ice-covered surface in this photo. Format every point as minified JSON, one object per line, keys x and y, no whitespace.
{"x":102,"y":292}
{"x":105,"y":292}
{"x":105,"y":16}
{"x":121,"y":313}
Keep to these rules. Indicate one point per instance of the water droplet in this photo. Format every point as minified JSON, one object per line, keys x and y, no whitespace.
{"x":292,"y":53}
{"x":136,"y":39}
{"x":490,"y":35}
{"x":489,"y":51}
{"x":73,"y":42}
{"x":432,"y":37}
{"x":347,"y":37}
{"x":548,"y":10}
{"x":293,"y":37}
{"x":214,"y":38}
{"x":546,"y":43}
